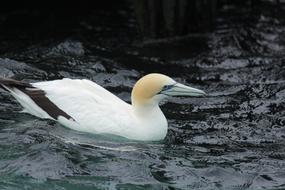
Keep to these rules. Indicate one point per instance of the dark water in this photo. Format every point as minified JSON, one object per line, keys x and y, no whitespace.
{"x":232,"y":139}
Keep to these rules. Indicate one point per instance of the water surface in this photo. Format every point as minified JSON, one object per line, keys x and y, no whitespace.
{"x":232,"y":139}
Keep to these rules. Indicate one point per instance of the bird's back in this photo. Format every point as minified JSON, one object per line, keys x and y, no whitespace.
{"x":79,"y":104}
{"x":93,"y":108}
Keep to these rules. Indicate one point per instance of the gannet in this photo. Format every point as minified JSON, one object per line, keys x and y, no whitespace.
{"x":85,"y":106}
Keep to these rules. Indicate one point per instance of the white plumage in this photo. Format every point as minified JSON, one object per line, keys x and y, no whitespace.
{"x":93,"y":109}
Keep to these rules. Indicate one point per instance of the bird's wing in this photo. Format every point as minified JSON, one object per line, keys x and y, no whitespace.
{"x":90,"y":105}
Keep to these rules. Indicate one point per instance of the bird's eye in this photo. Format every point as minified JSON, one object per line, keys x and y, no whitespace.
{"x":166,"y":87}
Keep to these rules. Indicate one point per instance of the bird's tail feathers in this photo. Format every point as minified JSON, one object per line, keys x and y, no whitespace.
{"x":9,"y":84}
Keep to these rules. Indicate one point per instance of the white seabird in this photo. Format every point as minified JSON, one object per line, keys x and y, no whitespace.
{"x":85,"y":106}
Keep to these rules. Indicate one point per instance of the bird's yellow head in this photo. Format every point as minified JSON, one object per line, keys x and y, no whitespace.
{"x":152,"y":88}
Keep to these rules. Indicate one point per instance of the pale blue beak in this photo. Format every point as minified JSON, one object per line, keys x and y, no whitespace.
{"x":183,"y":90}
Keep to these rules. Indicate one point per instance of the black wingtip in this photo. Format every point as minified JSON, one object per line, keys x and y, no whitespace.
{"x":10,"y":83}
{"x":37,"y":95}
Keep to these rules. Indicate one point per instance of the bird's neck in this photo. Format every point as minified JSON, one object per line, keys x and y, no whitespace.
{"x":145,"y":107}
{"x":151,"y":119}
